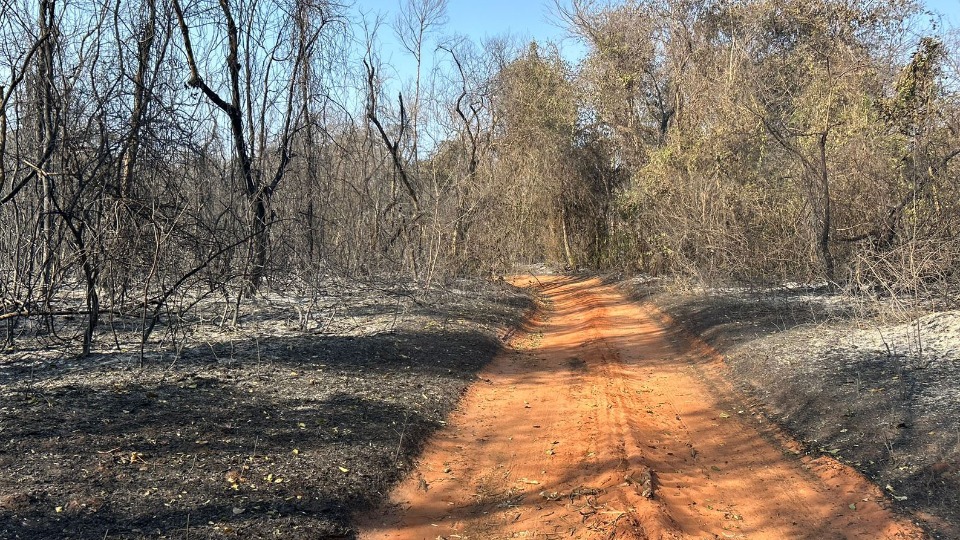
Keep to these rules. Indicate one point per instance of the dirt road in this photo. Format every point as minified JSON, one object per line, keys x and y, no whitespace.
{"x":599,"y":423}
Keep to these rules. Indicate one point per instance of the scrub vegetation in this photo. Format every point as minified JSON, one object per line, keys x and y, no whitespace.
{"x":189,"y":188}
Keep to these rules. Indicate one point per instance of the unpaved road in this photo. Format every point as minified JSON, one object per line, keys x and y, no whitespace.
{"x":599,"y":423}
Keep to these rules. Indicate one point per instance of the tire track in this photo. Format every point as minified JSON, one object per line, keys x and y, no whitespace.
{"x":594,"y":425}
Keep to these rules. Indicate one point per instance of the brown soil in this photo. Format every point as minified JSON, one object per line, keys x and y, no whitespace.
{"x":602,"y":424}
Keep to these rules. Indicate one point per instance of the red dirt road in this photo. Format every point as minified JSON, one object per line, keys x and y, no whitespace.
{"x":599,"y":423}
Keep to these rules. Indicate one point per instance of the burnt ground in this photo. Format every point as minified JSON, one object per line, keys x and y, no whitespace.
{"x":844,"y":378}
{"x":275,"y":429}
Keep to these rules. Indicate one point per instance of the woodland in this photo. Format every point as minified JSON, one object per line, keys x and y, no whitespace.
{"x":249,"y":265}
{"x":155,"y":154}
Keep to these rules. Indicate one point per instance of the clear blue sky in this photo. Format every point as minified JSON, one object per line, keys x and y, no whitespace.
{"x":487,"y":18}
{"x":949,"y":8}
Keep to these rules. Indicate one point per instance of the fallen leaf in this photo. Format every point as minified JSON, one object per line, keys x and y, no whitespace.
{"x":550,"y":496}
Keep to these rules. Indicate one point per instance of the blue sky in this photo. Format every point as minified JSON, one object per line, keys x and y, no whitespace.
{"x":949,"y":8}
{"x":479,"y":19}
{"x":533,"y":19}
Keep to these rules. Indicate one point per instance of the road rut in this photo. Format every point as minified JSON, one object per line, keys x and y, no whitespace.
{"x":604,"y":421}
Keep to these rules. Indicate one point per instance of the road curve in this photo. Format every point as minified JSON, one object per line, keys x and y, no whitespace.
{"x":603,"y":421}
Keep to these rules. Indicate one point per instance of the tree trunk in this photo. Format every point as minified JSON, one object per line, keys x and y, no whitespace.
{"x":258,"y":241}
{"x":45,"y":135}
{"x":568,"y":253}
{"x":826,"y":218}
{"x":144,"y":46}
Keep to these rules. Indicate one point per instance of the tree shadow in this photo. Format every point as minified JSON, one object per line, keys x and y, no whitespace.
{"x":284,"y":435}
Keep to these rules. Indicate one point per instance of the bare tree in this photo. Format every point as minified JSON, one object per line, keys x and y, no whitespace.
{"x":248,"y":101}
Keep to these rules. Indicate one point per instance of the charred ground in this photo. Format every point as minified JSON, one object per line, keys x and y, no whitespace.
{"x":249,"y":433}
